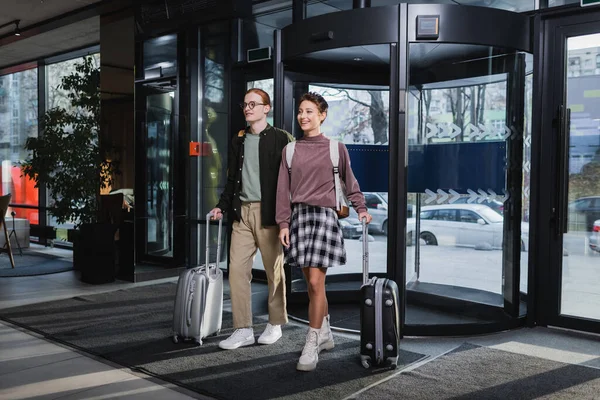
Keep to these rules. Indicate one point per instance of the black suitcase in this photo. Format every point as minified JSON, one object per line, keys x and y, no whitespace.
{"x":379,"y":317}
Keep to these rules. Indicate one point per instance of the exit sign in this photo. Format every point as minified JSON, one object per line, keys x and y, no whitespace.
{"x":590,"y":3}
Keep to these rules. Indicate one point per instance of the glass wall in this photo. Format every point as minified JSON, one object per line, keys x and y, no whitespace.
{"x":56,"y":96}
{"x":580,"y":289}
{"x":18,"y":121}
{"x":214,"y":124}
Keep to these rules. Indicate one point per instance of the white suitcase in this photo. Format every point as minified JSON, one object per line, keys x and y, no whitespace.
{"x":199,"y":300}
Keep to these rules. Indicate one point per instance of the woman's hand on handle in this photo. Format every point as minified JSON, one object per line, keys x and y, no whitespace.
{"x":366,"y":215}
{"x":284,"y":237}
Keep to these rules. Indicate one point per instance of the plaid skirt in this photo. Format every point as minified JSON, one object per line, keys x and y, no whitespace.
{"x":316,"y":238}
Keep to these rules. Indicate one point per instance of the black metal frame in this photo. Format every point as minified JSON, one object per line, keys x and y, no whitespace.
{"x":180,"y":127}
{"x":551,"y":31}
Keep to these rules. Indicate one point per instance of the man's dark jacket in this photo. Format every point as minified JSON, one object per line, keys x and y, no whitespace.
{"x":270,"y":146}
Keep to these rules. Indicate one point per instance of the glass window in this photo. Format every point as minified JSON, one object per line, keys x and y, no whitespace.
{"x":56,"y":96}
{"x":491,"y":215}
{"x":258,"y":35}
{"x":356,"y":116}
{"x":468,"y":216}
{"x":580,"y":293}
{"x":557,"y":3}
{"x":428,"y":214}
{"x":160,"y":56}
{"x":214,"y":125}
{"x":18,"y":121}
{"x":445,"y":215}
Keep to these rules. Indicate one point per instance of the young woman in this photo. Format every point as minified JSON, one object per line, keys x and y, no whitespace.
{"x":309,"y":228}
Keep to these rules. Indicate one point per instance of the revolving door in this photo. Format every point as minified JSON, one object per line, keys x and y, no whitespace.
{"x":432,"y":107}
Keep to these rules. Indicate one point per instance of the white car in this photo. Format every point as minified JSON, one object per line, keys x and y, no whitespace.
{"x":594,"y":242}
{"x":465,"y":225}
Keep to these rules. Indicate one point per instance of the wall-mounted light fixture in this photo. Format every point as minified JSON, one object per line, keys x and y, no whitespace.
{"x":17,"y":31}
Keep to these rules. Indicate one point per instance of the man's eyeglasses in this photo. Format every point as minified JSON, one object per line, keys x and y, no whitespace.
{"x":250,"y":105}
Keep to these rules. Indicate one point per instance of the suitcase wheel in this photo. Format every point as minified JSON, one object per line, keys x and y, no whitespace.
{"x":365,"y":361}
{"x":175,"y":339}
{"x":393,"y":362}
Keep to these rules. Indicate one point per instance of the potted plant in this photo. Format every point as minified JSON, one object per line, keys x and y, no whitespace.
{"x":69,"y":160}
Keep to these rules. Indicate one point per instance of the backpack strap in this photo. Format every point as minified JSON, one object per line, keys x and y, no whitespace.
{"x":289,"y":154}
{"x":334,"y":154}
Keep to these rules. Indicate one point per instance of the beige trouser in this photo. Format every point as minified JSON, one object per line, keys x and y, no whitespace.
{"x":248,"y":235}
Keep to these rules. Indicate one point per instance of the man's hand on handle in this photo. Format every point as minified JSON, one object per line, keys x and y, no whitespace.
{"x":216,"y":214}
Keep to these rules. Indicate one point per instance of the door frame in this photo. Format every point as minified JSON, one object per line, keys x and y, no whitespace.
{"x":551,"y":133}
{"x":178,"y":257}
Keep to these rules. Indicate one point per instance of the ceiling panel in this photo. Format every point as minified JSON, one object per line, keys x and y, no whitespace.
{"x":50,"y":42}
{"x":70,"y":37}
{"x":33,"y":11}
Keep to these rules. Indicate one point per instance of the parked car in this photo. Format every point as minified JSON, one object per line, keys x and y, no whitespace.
{"x":377,"y":205}
{"x":583,"y":212}
{"x":468,"y":225}
{"x":495,"y":205}
{"x":595,"y":236}
{"x":351,"y":228}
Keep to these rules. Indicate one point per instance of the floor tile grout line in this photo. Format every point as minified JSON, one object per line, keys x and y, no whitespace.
{"x":132,"y":370}
{"x":41,"y":365}
{"x":76,"y":392}
{"x":410,"y":367}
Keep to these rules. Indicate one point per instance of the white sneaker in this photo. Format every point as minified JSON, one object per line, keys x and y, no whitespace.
{"x":325,"y":335}
{"x":239,"y":338}
{"x":271,"y":334}
{"x":310,"y":354}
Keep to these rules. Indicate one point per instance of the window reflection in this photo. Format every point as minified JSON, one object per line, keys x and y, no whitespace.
{"x":580,"y":295}
{"x":214,"y":128}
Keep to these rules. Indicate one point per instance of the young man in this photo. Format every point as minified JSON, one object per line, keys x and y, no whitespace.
{"x":250,"y":193}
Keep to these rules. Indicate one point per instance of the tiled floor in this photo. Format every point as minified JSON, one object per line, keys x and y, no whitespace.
{"x":34,"y":368}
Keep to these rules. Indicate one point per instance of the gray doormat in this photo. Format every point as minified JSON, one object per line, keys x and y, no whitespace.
{"x":473,"y":372}
{"x":32,"y":264}
{"x":133,"y":328}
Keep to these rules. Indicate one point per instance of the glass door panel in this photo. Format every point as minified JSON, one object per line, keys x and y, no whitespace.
{"x":467,"y":147}
{"x":158,"y":233}
{"x":580,"y":289}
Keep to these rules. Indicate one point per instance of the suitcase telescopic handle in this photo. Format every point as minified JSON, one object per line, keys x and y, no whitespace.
{"x":365,"y":246}
{"x":207,"y":260}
